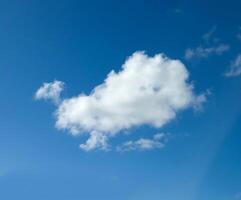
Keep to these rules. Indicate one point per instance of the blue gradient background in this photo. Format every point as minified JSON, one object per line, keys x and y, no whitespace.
{"x":79,"y":42}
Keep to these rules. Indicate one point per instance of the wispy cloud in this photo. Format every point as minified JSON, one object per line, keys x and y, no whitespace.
{"x":143,"y":144}
{"x":207,"y":48}
{"x":207,"y":37}
{"x":147,"y":91}
{"x":204,"y":52}
{"x":235,"y":67}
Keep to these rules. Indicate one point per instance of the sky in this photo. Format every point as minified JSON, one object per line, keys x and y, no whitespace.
{"x":120,"y":100}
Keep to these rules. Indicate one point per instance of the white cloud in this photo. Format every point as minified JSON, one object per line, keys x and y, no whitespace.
{"x":50,"y":91}
{"x":157,"y":142}
{"x":235,"y":67}
{"x":159,"y":136}
{"x":200,"y":100}
{"x":147,"y":91}
{"x":96,"y":140}
{"x":204,"y":52}
{"x":209,"y":46}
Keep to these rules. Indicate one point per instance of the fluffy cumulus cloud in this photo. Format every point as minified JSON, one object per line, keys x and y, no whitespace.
{"x":235,"y":67}
{"x":157,"y":142}
{"x":146,"y":91}
{"x":50,"y":91}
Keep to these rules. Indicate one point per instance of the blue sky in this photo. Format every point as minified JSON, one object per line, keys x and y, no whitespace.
{"x":136,"y":155}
